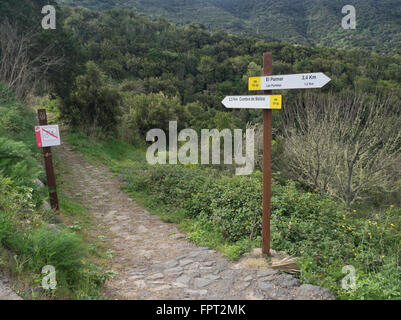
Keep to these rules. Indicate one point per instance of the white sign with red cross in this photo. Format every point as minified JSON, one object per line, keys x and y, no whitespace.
{"x":47,"y":136}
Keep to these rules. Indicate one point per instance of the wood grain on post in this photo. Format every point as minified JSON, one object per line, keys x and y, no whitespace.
{"x":267,"y":146}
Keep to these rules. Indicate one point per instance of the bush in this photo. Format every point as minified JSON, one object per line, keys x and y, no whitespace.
{"x":154,"y":110}
{"x":93,"y":104}
{"x":62,"y":249}
{"x":344,"y":145}
{"x":17,"y":145}
{"x":16,"y":162}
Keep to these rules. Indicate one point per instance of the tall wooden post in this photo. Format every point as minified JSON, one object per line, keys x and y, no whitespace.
{"x":51,"y":178}
{"x":267,"y":148}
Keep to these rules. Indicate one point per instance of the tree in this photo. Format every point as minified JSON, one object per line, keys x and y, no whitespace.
{"x":155,"y":110}
{"x":22,"y":72}
{"x":345,"y":144}
{"x":93,"y":104}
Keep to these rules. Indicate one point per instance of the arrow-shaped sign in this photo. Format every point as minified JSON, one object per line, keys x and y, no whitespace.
{"x":253,"y":102}
{"x":289,"y":81}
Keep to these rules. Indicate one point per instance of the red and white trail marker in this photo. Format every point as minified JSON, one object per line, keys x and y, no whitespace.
{"x":47,"y":136}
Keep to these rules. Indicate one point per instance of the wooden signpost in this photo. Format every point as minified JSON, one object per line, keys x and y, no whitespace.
{"x":267,"y":83}
{"x":47,"y":136}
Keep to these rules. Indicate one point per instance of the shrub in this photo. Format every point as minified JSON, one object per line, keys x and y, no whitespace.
{"x":93,"y":103}
{"x":344,"y":145}
{"x":16,"y":162}
{"x":155,"y":110}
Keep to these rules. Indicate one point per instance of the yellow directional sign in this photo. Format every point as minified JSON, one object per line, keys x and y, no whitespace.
{"x":275,"y":101}
{"x":255,"y":83}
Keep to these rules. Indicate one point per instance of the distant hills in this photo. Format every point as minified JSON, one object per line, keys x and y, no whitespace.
{"x":296,"y":21}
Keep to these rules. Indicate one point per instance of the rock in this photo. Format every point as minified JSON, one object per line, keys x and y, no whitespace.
{"x":310,"y":292}
{"x":156,"y":276}
{"x":268,"y":278}
{"x":166,"y":265}
{"x":140,"y":284}
{"x":278,"y":294}
{"x":115,"y":229}
{"x":220,"y":267}
{"x":46,"y":206}
{"x":192,"y":273}
{"x":253,"y":296}
{"x":286,"y":281}
{"x":195,"y":253}
{"x":161,"y":288}
{"x":248,"y":278}
{"x":39,"y":183}
{"x":265,"y":286}
{"x":142,"y":229}
{"x":179,"y":285}
{"x":242,"y":286}
{"x":6,"y":293}
{"x":177,"y":236}
{"x":268,"y":272}
{"x":206,"y":270}
{"x":212,"y":277}
{"x":173,"y":270}
{"x":226,"y":286}
{"x":196,"y":293}
{"x":201,"y":282}
{"x":146,"y":253}
{"x":208,"y":263}
{"x":185,"y":262}
{"x":237,"y":266}
{"x":183,"y":279}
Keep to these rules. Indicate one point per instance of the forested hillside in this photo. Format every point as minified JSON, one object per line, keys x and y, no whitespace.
{"x":295,"y":21}
{"x":199,"y":68}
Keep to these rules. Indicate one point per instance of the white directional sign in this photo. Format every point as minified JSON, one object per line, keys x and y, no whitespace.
{"x":289,"y":81}
{"x":253,"y":102}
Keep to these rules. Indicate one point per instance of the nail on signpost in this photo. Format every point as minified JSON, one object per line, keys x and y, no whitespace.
{"x":47,"y":136}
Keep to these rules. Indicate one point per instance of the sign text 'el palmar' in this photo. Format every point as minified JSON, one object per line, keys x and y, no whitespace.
{"x":289,"y":81}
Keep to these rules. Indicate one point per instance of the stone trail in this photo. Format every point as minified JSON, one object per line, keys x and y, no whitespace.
{"x":6,"y":293}
{"x":153,"y":258}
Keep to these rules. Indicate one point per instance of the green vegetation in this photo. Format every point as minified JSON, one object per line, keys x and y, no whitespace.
{"x":305,"y":22}
{"x":31,"y":237}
